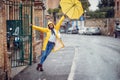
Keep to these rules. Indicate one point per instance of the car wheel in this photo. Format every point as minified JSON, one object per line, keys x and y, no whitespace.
{"x":115,"y":35}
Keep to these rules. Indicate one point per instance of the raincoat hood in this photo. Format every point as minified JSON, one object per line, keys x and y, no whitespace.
{"x":49,"y":22}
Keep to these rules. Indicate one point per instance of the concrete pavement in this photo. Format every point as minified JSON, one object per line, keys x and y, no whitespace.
{"x":56,"y":67}
{"x":83,"y":58}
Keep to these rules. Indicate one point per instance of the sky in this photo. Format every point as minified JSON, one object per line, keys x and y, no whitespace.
{"x":94,"y":4}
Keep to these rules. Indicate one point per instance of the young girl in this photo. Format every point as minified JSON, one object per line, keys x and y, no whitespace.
{"x":52,"y":41}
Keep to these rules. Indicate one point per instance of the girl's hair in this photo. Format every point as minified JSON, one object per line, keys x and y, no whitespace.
{"x":49,"y":24}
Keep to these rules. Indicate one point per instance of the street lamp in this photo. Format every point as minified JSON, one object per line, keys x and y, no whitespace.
{"x":85,"y":17}
{"x":85,"y":14}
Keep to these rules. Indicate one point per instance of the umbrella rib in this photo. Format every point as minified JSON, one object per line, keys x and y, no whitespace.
{"x":69,"y":9}
{"x":78,"y":8}
{"x":72,"y":1}
{"x":73,"y":14}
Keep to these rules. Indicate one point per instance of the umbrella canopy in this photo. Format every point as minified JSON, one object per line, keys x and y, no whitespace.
{"x":72,"y":8}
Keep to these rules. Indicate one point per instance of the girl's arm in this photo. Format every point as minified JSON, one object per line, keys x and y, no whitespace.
{"x":57,"y":27}
{"x":41,"y":29}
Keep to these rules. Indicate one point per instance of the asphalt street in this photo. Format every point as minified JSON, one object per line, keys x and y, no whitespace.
{"x":83,"y":58}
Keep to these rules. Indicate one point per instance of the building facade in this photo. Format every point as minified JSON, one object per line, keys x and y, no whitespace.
{"x":117,"y":9}
{"x":117,"y":12}
{"x":50,"y":4}
{"x":4,"y":61}
{"x":12,"y":10}
{"x":53,"y":3}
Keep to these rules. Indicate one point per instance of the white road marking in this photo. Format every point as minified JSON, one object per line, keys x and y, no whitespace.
{"x":39,"y":79}
{"x":73,"y":68}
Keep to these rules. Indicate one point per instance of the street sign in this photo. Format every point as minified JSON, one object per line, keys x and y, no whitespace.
{"x":82,"y":18}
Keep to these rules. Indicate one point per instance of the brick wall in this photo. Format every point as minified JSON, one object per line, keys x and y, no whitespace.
{"x":117,"y":9}
{"x":37,"y":36}
{"x":4,"y":14}
{"x":4,"y":62}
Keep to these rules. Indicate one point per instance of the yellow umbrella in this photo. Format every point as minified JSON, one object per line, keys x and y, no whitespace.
{"x":72,"y":8}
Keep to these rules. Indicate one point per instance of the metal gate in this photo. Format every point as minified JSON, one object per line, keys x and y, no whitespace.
{"x":19,"y":32}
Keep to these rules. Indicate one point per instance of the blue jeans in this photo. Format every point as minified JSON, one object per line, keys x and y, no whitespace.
{"x":45,"y":53}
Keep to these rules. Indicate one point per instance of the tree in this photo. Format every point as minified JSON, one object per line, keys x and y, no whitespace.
{"x":50,"y":11}
{"x":107,"y":6}
{"x":106,"y":3}
{"x":53,"y":12}
{"x":85,"y":4}
{"x":96,"y":14}
{"x":106,"y":10}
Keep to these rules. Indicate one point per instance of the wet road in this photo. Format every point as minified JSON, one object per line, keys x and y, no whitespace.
{"x":83,"y":58}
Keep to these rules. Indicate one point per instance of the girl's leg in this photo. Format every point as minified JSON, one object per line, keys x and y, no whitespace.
{"x":42,"y":59}
{"x":44,"y":55}
{"x":50,"y":47}
{"x":46,"y":52}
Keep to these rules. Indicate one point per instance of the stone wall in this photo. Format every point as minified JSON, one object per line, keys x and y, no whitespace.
{"x":106,"y":25}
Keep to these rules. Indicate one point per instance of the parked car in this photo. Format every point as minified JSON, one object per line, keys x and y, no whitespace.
{"x":93,"y":31}
{"x":72,"y":30}
{"x":117,"y":31}
{"x":63,"y":28}
{"x":88,"y":31}
{"x":62,"y":31}
{"x":75,"y":31}
{"x":82,"y":30}
{"x":69,"y":31}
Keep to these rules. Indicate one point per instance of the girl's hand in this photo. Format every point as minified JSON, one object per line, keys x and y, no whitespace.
{"x":30,"y":24}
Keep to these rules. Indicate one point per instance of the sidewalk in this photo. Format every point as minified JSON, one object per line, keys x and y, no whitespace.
{"x":56,"y":67}
{"x":17,"y":70}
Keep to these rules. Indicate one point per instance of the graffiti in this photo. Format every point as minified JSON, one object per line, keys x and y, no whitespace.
{"x":16,"y":31}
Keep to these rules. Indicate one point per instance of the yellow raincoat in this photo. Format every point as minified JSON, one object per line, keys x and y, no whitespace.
{"x":58,"y":44}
